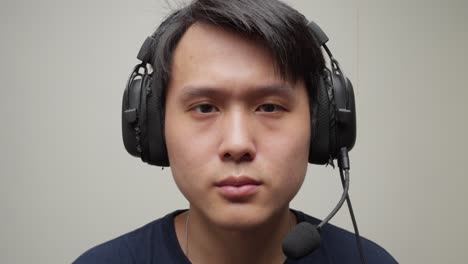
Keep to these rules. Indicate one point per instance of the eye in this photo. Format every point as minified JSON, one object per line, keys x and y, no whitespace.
{"x":270,"y":108}
{"x":205,"y":108}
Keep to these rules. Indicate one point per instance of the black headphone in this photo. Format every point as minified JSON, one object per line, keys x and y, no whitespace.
{"x":333,"y":122}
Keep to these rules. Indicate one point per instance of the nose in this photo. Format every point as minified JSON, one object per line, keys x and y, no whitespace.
{"x":237,"y":143}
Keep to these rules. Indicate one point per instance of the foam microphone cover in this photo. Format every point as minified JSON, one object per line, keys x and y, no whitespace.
{"x":301,"y":241}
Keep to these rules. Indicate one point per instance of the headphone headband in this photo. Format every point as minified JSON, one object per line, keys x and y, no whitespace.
{"x":318,"y":33}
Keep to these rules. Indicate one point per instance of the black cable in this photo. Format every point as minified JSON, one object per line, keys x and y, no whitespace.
{"x":338,"y":206}
{"x":351,"y":212}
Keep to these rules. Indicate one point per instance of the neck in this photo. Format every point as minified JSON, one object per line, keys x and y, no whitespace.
{"x":204,"y":242}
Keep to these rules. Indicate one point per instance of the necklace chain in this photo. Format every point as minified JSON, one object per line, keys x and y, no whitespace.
{"x":186,"y":234}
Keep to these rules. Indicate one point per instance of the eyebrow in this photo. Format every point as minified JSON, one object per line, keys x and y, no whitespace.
{"x":282,"y":90}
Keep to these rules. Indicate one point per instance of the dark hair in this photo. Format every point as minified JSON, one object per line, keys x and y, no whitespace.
{"x":282,"y":29}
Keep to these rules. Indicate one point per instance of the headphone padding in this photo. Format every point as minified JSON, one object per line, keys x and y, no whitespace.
{"x":155,"y":127}
{"x":132,"y":92}
{"x":347,"y":128}
{"x":319,"y":145}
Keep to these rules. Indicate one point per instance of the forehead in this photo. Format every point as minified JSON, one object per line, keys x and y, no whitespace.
{"x":211,"y":56}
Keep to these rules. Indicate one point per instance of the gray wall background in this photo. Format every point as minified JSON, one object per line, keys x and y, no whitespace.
{"x":68,"y":184}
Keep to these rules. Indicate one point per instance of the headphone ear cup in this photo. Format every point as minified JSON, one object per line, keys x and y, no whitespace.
{"x":320,"y":130}
{"x":157,"y":151}
{"x":143,"y":119}
{"x":346,"y":125}
{"x":130,"y":109}
{"x":351,"y":130}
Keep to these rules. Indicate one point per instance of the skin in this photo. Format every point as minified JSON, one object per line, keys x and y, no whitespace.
{"x":224,"y":119}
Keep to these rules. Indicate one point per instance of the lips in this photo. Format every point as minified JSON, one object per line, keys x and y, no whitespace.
{"x":238,"y":187}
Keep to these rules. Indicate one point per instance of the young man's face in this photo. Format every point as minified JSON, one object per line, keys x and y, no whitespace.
{"x":237,"y":134}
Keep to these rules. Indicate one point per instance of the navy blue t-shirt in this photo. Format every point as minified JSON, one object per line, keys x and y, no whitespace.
{"x":156,"y":243}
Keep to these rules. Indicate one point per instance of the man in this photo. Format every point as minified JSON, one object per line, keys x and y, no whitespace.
{"x":237,"y":84}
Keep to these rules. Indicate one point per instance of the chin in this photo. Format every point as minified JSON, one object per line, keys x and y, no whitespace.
{"x":240,"y":225}
{"x":242,"y":217}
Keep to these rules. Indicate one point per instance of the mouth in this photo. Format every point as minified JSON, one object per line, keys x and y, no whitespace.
{"x":234,"y":188}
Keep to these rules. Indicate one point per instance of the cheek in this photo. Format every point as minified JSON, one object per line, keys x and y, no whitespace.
{"x":288,"y":156}
{"x":190,"y":156}
{"x":289,"y":143}
{"x":189,"y":147}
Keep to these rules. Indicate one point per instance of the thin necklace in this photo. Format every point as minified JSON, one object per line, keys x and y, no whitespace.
{"x":186,"y":232}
